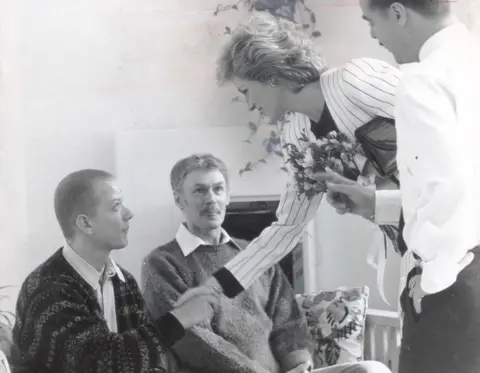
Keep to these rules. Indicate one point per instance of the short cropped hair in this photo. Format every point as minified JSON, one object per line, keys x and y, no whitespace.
{"x":428,"y":8}
{"x":267,"y":47}
{"x":76,"y":195}
{"x":194,"y":162}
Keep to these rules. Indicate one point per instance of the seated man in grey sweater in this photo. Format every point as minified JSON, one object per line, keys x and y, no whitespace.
{"x":261,"y":330}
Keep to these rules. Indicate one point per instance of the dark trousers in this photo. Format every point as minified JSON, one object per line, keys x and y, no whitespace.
{"x":445,"y":336}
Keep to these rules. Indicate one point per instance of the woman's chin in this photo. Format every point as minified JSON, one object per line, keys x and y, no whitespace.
{"x":279,"y":117}
{"x":274,"y":119}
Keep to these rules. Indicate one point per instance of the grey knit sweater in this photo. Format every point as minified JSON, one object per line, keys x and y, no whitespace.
{"x":261,"y":330}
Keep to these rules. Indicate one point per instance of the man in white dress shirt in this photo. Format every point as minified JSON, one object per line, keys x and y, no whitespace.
{"x":438,"y":119}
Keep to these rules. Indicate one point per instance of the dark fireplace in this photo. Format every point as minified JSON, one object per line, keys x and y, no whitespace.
{"x":246,"y":220}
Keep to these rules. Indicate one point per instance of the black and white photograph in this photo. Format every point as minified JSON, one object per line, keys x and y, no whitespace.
{"x":239,"y":186}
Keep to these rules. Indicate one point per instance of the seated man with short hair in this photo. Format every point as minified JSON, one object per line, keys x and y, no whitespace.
{"x":260,"y":331}
{"x":79,"y":312}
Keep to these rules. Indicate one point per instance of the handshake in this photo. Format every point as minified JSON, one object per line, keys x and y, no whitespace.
{"x":198,"y":304}
{"x":201,"y":303}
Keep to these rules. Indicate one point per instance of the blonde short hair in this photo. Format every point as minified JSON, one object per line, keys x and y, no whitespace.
{"x":75,"y":195}
{"x":267,"y":47}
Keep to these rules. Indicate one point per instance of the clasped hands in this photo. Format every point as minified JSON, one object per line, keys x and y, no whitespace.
{"x":198,"y":304}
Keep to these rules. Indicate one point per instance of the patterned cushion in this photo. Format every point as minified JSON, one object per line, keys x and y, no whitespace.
{"x":336,"y":321}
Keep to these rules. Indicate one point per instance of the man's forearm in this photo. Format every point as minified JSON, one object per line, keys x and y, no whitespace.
{"x":388,"y":206}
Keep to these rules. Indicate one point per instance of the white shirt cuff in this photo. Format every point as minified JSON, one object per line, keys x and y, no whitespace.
{"x":388,"y":205}
{"x":438,"y":275}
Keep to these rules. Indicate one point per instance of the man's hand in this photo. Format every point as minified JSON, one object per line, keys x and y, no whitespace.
{"x":416,"y":293}
{"x":347,"y":195}
{"x":302,"y":368}
{"x":196,"y":305}
{"x":415,"y":290}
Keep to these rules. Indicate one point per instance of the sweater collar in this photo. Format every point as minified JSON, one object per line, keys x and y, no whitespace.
{"x":189,"y":242}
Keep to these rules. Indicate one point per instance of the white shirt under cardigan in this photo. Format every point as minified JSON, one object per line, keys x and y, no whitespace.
{"x":355,"y":93}
{"x":438,"y":132}
{"x":101,"y":282}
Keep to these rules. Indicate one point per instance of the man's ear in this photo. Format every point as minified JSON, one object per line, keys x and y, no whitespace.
{"x":227,"y":201}
{"x":178,"y":200}
{"x":400,"y":13}
{"x":83,"y":223}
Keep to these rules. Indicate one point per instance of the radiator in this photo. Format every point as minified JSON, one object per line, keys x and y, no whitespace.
{"x":383,"y":337}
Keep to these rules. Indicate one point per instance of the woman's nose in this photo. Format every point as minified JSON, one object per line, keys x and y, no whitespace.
{"x":128,"y":214}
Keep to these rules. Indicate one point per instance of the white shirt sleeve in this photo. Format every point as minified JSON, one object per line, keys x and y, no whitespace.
{"x":433,"y":178}
{"x":388,"y":207}
{"x":293,"y":214}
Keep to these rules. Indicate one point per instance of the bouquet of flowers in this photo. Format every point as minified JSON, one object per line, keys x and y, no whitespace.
{"x":334,"y":151}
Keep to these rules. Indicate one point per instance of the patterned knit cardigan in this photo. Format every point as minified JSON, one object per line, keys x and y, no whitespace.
{"x":60,"y":328}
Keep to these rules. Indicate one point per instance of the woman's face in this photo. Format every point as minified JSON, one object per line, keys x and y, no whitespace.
{"x":268,"y":99}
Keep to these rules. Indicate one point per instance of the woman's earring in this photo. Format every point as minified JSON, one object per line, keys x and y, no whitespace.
{"x":273,"y":83}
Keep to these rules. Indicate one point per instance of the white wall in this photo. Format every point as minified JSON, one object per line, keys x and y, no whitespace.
{"x":13,"y":217}
{"x":475,"y":17}
{"x":75,"y":73}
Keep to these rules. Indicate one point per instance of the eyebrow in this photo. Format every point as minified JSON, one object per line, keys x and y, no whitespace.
{"x":365,"y":18}
{"x":242,"y":90}
{"x":220,"y":183}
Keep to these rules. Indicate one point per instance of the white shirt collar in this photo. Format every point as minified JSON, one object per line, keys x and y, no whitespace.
{"x":88,"y":273}
{"x":189,"y":242}
{"x":439,"y":38}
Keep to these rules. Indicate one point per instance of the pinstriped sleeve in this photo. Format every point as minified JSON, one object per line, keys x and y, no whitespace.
{"x":276,"y":241}
{"x":371,"y":84}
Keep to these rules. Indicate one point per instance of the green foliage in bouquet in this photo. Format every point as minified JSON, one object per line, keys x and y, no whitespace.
{"x":334,"y":151}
